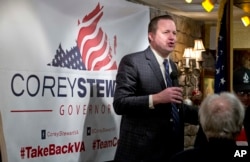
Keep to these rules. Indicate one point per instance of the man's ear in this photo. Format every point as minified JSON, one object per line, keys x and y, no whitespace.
{"x":150,"y":36}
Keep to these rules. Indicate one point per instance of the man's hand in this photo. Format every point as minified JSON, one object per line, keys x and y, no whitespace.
{"x":169,"y":95}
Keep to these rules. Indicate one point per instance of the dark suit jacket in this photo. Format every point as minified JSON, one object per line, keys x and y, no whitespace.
{"x":145,"y":134}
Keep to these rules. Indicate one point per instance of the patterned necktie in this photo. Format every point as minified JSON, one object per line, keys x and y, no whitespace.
{"x":175,"y":113}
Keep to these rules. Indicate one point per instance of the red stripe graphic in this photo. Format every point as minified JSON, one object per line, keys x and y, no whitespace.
{"x":25,"y":111}
{"x":93,"y":13}
{"x":93,"y":43}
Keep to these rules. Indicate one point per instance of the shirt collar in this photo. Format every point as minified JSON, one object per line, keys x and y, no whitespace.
{"x":158,"y":56}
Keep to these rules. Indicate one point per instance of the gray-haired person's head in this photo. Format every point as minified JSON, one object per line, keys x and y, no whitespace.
{"x":221,"y":115}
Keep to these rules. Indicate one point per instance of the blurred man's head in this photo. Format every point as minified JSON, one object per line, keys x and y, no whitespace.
{"x":221,"y":116}
{"x":241,"y":84}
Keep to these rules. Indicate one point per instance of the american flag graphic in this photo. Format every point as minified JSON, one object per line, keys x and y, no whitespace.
{"x":221,"y":75}
{"x":93,"y":51}
{"x":69,"y":59}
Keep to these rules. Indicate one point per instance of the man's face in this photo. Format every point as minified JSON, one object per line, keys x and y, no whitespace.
{"x":244,"y":97}
{"x":246,"y":59}
{"x":164,"y":39}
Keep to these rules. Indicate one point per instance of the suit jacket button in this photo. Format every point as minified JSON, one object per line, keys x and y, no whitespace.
{"x":171,"y":120}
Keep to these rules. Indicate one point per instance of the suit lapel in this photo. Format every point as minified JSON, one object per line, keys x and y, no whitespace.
{"x":173,"y":66}
{"x":155,"y":67}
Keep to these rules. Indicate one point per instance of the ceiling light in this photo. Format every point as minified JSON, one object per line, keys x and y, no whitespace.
{"x":207,"y":5}
{"x":245,"y":20}
{"x":188,"y":1}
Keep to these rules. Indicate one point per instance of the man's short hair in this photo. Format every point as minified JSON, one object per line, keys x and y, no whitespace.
{"x":152,"y":26}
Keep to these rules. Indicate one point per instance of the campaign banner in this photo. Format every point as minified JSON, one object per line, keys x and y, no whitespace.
{"x":58,"y":63}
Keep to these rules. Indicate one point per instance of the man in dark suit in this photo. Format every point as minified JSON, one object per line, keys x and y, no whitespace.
{"x":241,"y":86}
{"x":146,"y":99}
